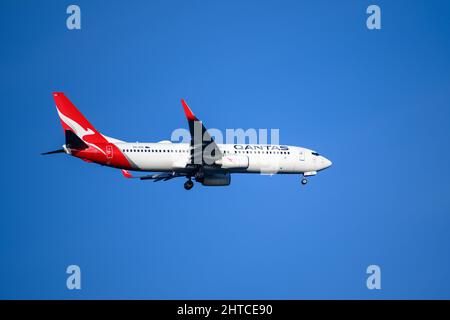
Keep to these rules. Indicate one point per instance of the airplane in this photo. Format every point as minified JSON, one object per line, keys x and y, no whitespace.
{"x":204,"y":160}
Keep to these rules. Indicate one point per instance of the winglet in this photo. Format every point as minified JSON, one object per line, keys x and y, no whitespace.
{"x":187,"y":111}
{"x":126,"y":174}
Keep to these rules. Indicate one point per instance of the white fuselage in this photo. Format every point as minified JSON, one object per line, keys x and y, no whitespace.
{"x":270,"y":159}
{"x":202,"y":159}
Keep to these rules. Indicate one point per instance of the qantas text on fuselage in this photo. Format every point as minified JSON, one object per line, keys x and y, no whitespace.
{"x":202,"y":159}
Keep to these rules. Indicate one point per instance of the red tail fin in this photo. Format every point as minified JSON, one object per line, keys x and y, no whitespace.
{"x":72,"y":119}
{"x":83,"y":140}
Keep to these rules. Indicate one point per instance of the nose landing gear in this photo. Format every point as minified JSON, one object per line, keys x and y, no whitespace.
{"x":188,"y":184}
{"x":307,"y":174}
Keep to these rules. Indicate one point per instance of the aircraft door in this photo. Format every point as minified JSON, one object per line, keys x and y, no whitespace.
{"x":109,"y":152}
{"x":302,"y":155}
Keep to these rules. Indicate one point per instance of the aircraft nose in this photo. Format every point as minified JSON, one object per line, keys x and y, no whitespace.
{"x":326,"y":163}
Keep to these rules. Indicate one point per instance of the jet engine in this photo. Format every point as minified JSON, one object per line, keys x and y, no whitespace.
{"x":233,"y":162}
{"x":215,"y":179}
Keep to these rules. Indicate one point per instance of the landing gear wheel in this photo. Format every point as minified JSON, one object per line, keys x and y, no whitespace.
{"x":188,"y":184}
{"x":304,"y":181}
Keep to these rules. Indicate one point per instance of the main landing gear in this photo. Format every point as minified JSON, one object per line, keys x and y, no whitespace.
{"x":188,"y":184}
{"x":304,"y":181}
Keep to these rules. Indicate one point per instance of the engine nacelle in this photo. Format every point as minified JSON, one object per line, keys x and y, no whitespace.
{"x":233,"y":162}
{"x":217,"y":179}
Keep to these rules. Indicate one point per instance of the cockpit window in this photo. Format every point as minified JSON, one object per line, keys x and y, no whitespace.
{"x":315,"y":154}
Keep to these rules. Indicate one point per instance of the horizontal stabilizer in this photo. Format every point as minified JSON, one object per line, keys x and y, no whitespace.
{"x":127,"y":174}
{"x":53,"y":152}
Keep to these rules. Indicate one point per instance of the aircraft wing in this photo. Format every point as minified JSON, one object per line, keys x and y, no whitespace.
{"x":164,"y":176}
{"x":203,"y":148}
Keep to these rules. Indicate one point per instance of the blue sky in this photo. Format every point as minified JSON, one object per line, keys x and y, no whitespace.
{"x":374,"y":102}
